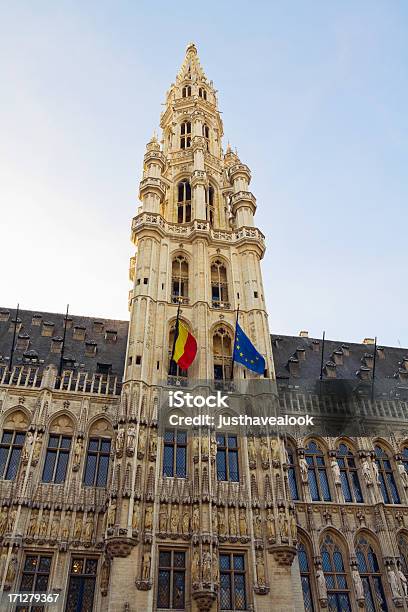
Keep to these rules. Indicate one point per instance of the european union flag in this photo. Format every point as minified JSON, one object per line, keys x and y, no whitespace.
{"x":246,"y":354}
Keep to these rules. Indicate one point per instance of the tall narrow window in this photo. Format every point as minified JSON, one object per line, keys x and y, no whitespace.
{"x":202,"y":93}
{"x":317,"y":475}
{"x":97,"y":462}
{"x":11,"y":445}
{"x":206,"y":134}
{"x":292,"y":479}
{"x":186,"y":91}
{"x":184,"y":202}
{"x":171,"y":586}
{"x":371,"y":577}
{"x":185,"y":135}
{"x":179,"y":280}
{"x":232,"y":582}
{"x":219,"y":285}
{"x":405,"y":457}
{"x":56,"y":459}
{"x":209,"y":204}
{"x":227,"y":457}
{"x":386,"y":477}
{"x":222,"y":354}
{"x":338,"y":596}
{"x":81,"y":587}
{"x":403,"y":551}
{"x":175,"y":453}
{"x":305,"y":578}
{"x":350,"y":483}
{"x":34,"y":579}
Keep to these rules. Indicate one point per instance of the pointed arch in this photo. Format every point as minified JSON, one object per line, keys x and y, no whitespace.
{"x":219,"y":283}
{"x":316,"y":459}
{"x":371,"y":569}
{"x":305,"y":560}
{"x":348,"y":465}
{"x":335,"y":565}
{"x":385,"y":468}
{"x":15,"y":423}
{"x":222,"y":341}
{"x":179,"y":278}
{"x":183,"y":201}
{"x":293,"y":468}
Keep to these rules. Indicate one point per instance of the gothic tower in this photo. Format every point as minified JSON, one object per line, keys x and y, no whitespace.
{"x":194,"y":500}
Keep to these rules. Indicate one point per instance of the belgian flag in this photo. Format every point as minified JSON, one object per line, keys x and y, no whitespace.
{"x":185,"y":345}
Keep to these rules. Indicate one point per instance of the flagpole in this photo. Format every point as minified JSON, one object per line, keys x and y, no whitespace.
{"x":233,"y":348}
{"x":61,"y":363}
{"x":10,"y":366}
{"x":321,"y":363}
{"x":374,"y":364}
{"x":176,"y":330}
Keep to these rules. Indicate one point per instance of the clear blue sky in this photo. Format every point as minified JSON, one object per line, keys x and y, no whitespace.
{"x":314,"y":95}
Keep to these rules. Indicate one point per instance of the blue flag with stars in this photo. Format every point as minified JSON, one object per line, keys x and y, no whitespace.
{"x":246,"y":354}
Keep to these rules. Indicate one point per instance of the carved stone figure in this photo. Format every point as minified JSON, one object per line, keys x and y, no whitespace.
{"x":148,"y":523}
{"x":271,"y":524}
{"x":403,"y":579}
{"x":213,"y":447}
{"x":264,"y":450}
{"x":336,"y":471}
{"x":206,"y":567}
{"x":303,"y":469}
{"x":25,"y":454}
{"x":120,"y":438}
{"x":196,"y":446}
{"x":260,"y":571}
{"x":215,"y":567}
{"x":66,"y":526}
{"x":283,"y":524}
{"x":3,"y":520}
{"x":232,"y":522}
{"x":131,"y":438}
{"x":146,"y":565}
{"x":204,"y":446}
{"x":257,"y":524}
{"x":222,"y":530}
{"x":111,"y":514}
{"x":78,"y":451}
{"x":214,"y":520}
{"x":275,"y":449}
{"x":196,"y":519}
{"x":365,"y":466}
{"x":174,"y":519}
{"x":321,"y":584}
{"x":78,"y":528}
{"x":3,"y":561}
{"x":376,"y":472}
{"x":392,"y":578}
{"x":163,"y":519}
{"x":105,"y":573}
{"x":251,"y":449}
{"x":293,"y":527}
{"x":136,"y":516}
{"x":141,"y":448}
{"x":153,"y":444}
{"x":55,"y":526}
{"x":37,"y":447}
{"x":358,"y":584}
{"x":403,"y":474}
{"x":11,"y":570}
{"x":32,"y":526}
{"x":89,"y":527}
{"x":185,"y":524}
{"x":11,"y":520}
{"x":243,"y":526}
{"x":195,"y":566}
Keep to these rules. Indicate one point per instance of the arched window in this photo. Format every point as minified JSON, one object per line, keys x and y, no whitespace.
{"x":222,"y":344}
{"x":338,"y":597}
{"x":179,"y":280}
{"x":186,"y":91}
{"x":350,"y":483}
{"x":370,"y":574}
{"x":292,"y":476}
{"x":305,"y":577}
{"x":185,"y":138}
{"x":98,"y":454}
{"x":174,"y":369}
{"x":11,"y":446}
{"x":209,"y":204}
{"x":202,"y":93}
{"x":386,"y":477}
{"x":403,"y":551}
{"x":405,"y":458}
{"x":184,"y":202}
{"x":219,"y":285}
{"x":206,"y":134}
{"x":317,"y":474}
{"x":58,"y":449}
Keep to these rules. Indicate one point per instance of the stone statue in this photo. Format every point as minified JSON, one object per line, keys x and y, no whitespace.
{"x":196,"y":446}
{"x":257,"y":525}
{"x":120,"y":440}
{"x":264,"y":450}
{"x":136,"y":516}
{"x":146,"y":566}
{"x":55,"y":526}
{"x":25,"y":454}
{"x":232,"y":522}
{"x":293,"y":527}
{"x":37,"y":447}
{"x":304,"y":470}
{"x":142,"y":443}
{"x":214,"y":520}
{"x":275,"y":449}
{"x":358,"y":584}
{"x":222,"y":530}
{"x":403,"y":579}
{"x":243,"y":526}
{"x":153,"y":443}
{"x":185,"y":523}
{"x":213,"y":447}
{"x":174,"y":519}
{"x":215,"y":567}
{"x":204,"y":445}
{"x":260,"y":571}
{"x":11,"y":520}
{"x":148,"y":523}
{"x":195,"y":566}
{"x":111,"y":514}
{"x":271,"y":524}
{"x":403,"y":474}
{"x":376,"y":471}
{"x":283,"y":524}
{"x":163,"y":519}
{"x":131,"y":437}
{"x":336,"y":471}
{"x":3,"y":520}
{"x":196,"y":519}
{"x":11,"y":570}
{"x":32,"y":526}
{"x":3,"y":561}
{"x":393,"y":583}
{"x":367,"y":472}
{"x":78,"y":528}
{"x":206,"y":567}
{"x":251,"y":449}
{"x":66,"y":525}
{"x":321,"y":584}
{"x":105,"y":572}
{"x":89,"y":527}
{"x":78,"y":450}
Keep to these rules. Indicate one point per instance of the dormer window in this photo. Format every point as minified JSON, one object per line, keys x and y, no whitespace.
{"x":90,"y":348}
{"x":98,"y":327}
{"x":36,"y":320}
{"x":111,"y":335}
{"x":56,"y":344}
{"x":47,"y":328}
{"x":202,"y":93}
{"x":79,"y":332}
{"x":103,"y":368}
{"x":186,"y":91}
{"x":15,"y":324}
{"x":69,"y":363}
{"x":30,"y":357}
{"x":185,"y":135}
{"x":4,"y":315}
{"x":23,"y":342}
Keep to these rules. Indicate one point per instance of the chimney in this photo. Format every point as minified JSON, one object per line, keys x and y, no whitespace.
{"x":300,"y":353}
{"x":404,"y":363}
{"x":303,"y":333}
{"x":380,"y":352}
{"x":337,"y":357}
{"x":316,"y":346}
{"x":368,"y":341}
{"x":330,"y":368}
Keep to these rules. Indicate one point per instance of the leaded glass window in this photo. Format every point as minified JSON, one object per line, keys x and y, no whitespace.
{"x":81,"y":588}
{"x":185,"y":135}
{"x":292,"y":476}
{"x":305,"y":578}
{"x":232,"y":582}
{"x":317,"y":473}
{"x":405,"y":457}
{"x":171,"y":586}
{"x":350,"y":483}
{"x":11,"y":445}
{"x":175,"y":453}
{"x":338,"y":596}
{"x":370,"y":574}
{"x":403,"y":550}
{"x":56,"y":459}
{"x":386,"y":477}
{"x":227,"y":457}
{"x":97,"y":462}
{"x":34,"y":579}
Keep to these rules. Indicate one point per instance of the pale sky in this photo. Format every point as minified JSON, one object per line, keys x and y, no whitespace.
{"x":313,"y":95}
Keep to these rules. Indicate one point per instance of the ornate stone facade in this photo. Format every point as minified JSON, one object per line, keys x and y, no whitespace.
{"x":121,"y":518}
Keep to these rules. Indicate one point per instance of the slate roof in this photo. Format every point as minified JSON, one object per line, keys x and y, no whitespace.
{"x":89,"y":340}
